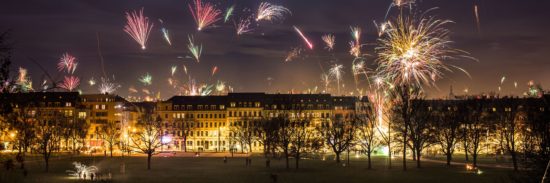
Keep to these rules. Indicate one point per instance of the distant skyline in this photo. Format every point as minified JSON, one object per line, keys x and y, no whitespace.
{"x":512,"y":42}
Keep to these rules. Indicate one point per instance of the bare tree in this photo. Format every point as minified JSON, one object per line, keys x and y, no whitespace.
{"x":284,"y":134}
{"x":185,"y":126}
{"x":509,"y":112}
{"x":403,"y":95}
{"x":421,"y":128}
{"x":366,"y":135}
{"x":268,"y":129}
{"x":476,"y":126}
{"x":148,"y":136}
{"x":110,"y":134}
{"x":447,"y":122}
{"x":301,"y":138}
{"x":243,"y":132}
{"x":338,"y":133}
{"x":48,"y":139}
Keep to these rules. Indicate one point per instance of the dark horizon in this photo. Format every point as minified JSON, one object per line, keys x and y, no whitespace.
{"x":512,"y":43}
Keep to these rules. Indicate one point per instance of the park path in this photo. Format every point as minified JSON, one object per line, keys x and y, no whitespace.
{"x":464,"y":164}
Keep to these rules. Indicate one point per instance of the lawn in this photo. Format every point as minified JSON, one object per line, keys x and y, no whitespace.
{"x":212,"y":169}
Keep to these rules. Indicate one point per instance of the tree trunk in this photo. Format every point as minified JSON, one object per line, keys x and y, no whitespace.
{"x":474,"y":155}
{"x":514,"y":160}
{"x":338,"y":157}
{"x":449,"y":157}
{"x":47,"y":160}
{"x":369,"y":160}
{"x":405,"y":148}
{"x":414,"y":153}
{"x":286,"y":157}
{"x":149,"y":161}
{"x":418,"y":158}
{"x":111,"y":150}
{"x":297,"y":160}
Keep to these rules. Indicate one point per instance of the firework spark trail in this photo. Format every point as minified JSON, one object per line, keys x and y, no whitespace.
{"x":214,"y":70}
{"x":70,"y":83}
{"x":271,"y":12}
{"x":502,"y":79}
{"x":243,"y":26}
{"x":185,"y":69}
{"x":228,"y":13}
{"x":329,"y":40}
{"x":336,"y":72}
{"x":309,"y":45}
{"x":293,"y":54}
{"x":400,"y":4}
{"x":138,"y":27}
{"x":205,"y":14}
{"x":355,"y":45}
{"x":413,"y":51}
{"x":67,"y":62}
{"x":476,"y":12}
{"x":146,"y":79}
{"x":166,"y":36}
{"x":358,"y":68}
{"x":173,"y":70}
{"x":325,"y":79}
{"x":382,"y":27}
{"x":196,"y":50}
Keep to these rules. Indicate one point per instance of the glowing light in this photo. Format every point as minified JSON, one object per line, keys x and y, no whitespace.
{"x":336,"y":71}
{"x":138,"y":27}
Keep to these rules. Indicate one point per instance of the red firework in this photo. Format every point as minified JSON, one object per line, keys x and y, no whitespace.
{"x":138,"y":27}
{"x":205,"y":14}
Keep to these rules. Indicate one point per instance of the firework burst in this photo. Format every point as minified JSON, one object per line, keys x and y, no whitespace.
{"x":92,"y":81}
{"x":329,"y":40}
{"x":205,"y":14}
{"x":196,"y":50}
{"x":355,"y":45}
{"x":138,"y":27}
{"x":146,"y":79}
{"x":107,"y":87}
{"x":70,"y":83}
{"x":412,"y":51}
{"x":67,"y":62}
{"x":271,"y":12}
{"x":243,"y":26}
{"x":336,"y":72}
{"x":293,"y":54}
{"x":306,"y":40}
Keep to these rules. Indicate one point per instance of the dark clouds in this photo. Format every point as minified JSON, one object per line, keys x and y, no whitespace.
{"x":513,"y":42}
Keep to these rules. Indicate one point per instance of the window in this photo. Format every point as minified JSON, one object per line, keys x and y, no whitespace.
{"x":103,"y":107}
{"x":68,"y":104}
{"x":82,"y":115}
{"x":232,"y":104}
{"x":222,"y":107}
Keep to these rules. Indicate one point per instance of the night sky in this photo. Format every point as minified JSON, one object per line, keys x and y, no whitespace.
{"x":513,"y":42}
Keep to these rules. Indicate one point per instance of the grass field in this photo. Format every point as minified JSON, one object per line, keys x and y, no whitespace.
{"x":213,"y":170}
